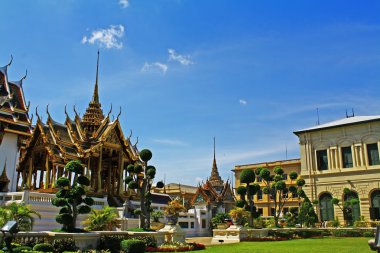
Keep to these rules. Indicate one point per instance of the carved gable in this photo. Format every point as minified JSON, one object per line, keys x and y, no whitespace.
{"x":199,"y":199}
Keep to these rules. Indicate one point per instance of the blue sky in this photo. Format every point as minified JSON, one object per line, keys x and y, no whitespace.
{"x":184,"y":71}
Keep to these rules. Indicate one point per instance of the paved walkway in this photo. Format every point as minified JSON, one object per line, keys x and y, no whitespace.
{"x":204,"y":240}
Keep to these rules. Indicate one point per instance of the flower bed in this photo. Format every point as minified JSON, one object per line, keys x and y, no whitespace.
{"x":176,"y":247}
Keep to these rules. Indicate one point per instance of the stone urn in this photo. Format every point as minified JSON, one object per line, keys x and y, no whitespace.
{"x":172,"y":219}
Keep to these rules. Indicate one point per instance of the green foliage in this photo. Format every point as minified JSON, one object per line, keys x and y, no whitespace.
{"x":315,"y":202}
{"x":64,"y":209}
{"x":293,"y":175}
{"x":278,"y":170}
{"x":62,"y":245}
{"x":280,"y":185}
{"x":301,"y":193}
{"x":133,"y":185}
{"x":219,"y":218}
{"x":307,"y":215}
{"x":71,"y":197}
{"x":257,"y":171}
{"x":83,"y":180}
{"x":138,"y":169}
{"x":84,"y":209}
{"x":133,"y":246}
{"x":131,"y":168}
{"x":346,"y":191}
{"x":265,"y":174}
{"x":300,"y":182}
{"x":62,"y":182}
{"x":247,"y":176}
{"x":88,"y":201}
{"x":253,"y":189}
{"x":137,"y":212}
{"x":160,"y":184}
{"x":277,"y":178}
{"x":22,"y":249}
{"x":266,"y":190}
{"x":19,"y":212}
{"x":151,"y":172}
{"x":335,"y":201}
{"x":240,"y":203}
{"x":44,"y":247}
{"x":74,"y":166}
{"x":109,"y":242}
{"x":293,"y":189}
{"x":145,"y":155}
{"x":156,"y":215}
{"x":241,"y":190}
{"x":100,"y":220}
{"x":128,"y":179}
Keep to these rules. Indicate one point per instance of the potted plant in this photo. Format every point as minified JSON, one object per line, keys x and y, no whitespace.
{"x":172,"y":211}
{"x":239,"y":215}
{"x":220,"y":221}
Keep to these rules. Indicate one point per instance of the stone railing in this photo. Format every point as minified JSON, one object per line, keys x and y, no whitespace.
{"x":90,"y":240}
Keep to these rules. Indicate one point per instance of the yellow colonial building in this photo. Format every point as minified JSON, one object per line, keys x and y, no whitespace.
{"x":263,"y":202}
{"x":343,"y":154}
{"x":333,"y":156}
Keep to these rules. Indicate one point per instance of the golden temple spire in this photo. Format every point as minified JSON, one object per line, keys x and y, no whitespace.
{"x":215,"y":178}
{"x":95,"y":97}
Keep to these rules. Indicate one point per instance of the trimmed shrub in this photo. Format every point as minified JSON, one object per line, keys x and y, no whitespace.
{"x":133,"y":246}
{"x":62,"y":245}
{"x":241,"y":190}
{"x":133,"y":185}
{"x":160,"y":184}
{"x":247,"y":176}
{"x":240,"y":203}
{"x":83,"y":180}
{"x":148,"y":240}
{"x":145,"y":155}
{"x":44,"y":247}
{"x":20,"y":249}
{"x":109,"y":242}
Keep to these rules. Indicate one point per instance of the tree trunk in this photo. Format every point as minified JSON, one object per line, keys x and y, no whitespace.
{"x":142,"y":204}
{"x":251,"y":205}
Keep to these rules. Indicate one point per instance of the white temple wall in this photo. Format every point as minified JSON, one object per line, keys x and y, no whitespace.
{"x":9,"y":154}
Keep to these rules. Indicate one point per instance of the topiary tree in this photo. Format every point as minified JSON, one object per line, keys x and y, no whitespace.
{"x":307,"y":215}
{"x":350,"y":201}
{"x":247,"y":192}
{"x":140,"y":178}
{"x":278,"y":188}
{"x":71,"y":197}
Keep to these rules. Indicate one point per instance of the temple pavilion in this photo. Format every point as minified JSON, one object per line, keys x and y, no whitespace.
{"x":15,"y":127}
{"x":94,"y":139}
{"x":214,"y":194}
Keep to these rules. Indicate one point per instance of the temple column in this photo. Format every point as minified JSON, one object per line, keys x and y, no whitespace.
{"x":29,"y":182}
{"x":99,"y":170}
{"x":109,"y":181}
{"x":18,"y":179}
{"x":53,"y":175}
{"x":41,"y":180}
{"x":88,"y":168}
{"x":47,"y":176}
{"x":120,"y":169}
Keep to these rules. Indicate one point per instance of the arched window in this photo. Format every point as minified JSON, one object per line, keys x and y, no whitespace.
{"x":326,"y":207}
{"x":375,"y":205}
{"x":353,"y":213}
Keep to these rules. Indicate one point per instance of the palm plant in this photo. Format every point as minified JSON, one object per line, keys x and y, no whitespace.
{"x":104,"y":219}
{"x":20,"y":213}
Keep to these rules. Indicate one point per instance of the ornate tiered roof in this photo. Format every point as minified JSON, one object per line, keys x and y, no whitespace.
{"x":81,"y":137}
{"x":14,"y":116}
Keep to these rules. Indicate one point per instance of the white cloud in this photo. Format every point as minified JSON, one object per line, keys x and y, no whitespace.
{"x":108,"y":37}
{"x":183,"y":59}
{"x":124,"y":3}
{"x":243,"y":102}
{"x":155,"y":65}
{"x":170,"y":142}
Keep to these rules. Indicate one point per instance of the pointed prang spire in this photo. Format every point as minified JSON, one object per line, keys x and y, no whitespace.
{"x":95,"y":97}
{"x":215,"y":178}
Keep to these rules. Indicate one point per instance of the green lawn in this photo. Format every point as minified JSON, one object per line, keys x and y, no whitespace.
{"x":326,"y":245}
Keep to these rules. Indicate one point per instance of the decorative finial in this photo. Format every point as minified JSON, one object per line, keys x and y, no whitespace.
{"x":76,"y":113}
{"x":109,"y":111}
{"x":24,"y":77}
{"x":95,"y":97}
{"x":119,"y":114}
{"x":9,"y":64}
{"x":214,"y":147}
{"x":130,"y":135}
{"x":67,"y":115}
{"x":28,"y":106}
{"x":38,"y":116}
{"x":137,"y":141}
{"x":47,"y":110}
